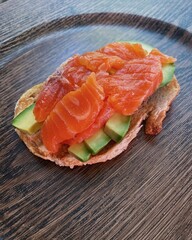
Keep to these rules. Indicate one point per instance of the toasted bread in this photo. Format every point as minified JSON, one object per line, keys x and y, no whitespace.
{"x":153,"y":111}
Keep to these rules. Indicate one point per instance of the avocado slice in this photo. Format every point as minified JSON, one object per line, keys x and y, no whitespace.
{"x":168,"y":73}
{"x":168,"y":69}
{"x":26,"y":121}
{"x":80,"y":151}
{"x":117,"y":126}
{"x":98,"y":141}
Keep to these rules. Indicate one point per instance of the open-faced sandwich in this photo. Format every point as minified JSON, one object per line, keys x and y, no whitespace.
{"x":93,"y":105}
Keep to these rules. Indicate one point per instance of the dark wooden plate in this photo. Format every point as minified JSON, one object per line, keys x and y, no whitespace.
{"x":144,"y":192}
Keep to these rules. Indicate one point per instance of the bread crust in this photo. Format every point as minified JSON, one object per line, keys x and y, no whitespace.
{"x":153,"y":111}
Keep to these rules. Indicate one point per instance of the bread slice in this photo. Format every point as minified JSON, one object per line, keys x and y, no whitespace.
{"x":153,"y":111}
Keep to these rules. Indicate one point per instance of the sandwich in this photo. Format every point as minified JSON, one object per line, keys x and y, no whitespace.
{"x":94,"y":104}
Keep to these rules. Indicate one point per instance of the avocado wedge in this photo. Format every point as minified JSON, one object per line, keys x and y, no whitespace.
{"x":98,"y":141}
{"x":80,"y":151}
{"x":26,"y":121}
{"x":117,"y":126}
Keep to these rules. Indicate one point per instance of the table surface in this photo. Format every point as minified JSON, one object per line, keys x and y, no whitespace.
{"x":149,"y":202}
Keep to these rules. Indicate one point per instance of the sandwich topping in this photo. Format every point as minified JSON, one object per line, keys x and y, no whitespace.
{"x":82,"y":103}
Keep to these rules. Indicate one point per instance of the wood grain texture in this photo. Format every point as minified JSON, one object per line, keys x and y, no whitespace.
{"x":146,"y":192}
{"x":18,"y":16}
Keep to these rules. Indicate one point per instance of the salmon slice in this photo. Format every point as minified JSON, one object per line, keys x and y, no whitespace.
{"x":147,"y":69}
{"x":165,"y":59}
{"x":49,"y":137}
{"x":128,"y":101}
{"x":96,"y":61}
{"x":124,"y":50}
{"x":55,"y":88}
{"x":126,"y":94}
{"x":74,"y":113}
{"x":106,"y":112}
{"x":74,"y":72}
{"x":130,"y":86}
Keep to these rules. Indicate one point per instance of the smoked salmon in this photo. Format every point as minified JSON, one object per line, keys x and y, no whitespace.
{"x":89,"y":88}
{"x":75,"y":112}
{"x":124,"y":50}
{"x":55,"y":88}
{"x":106,"y":112}
{"x":96,"y":61}
{"x":165,"y":59}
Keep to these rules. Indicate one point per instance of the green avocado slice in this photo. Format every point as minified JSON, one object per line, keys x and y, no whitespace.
{"x":168,"y":73}
{"x":26,"y":121}
{"x":117,"y":126}
{"x":80,"y":151}
{"x":115,"y":129}
{"x":98,"y":141}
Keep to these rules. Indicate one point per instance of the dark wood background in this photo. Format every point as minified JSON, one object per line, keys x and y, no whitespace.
{"x":146,"y":192}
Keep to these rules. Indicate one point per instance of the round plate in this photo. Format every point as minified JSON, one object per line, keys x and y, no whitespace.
{"x":124,"y":197}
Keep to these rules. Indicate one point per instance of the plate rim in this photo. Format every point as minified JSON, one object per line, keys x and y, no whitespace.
{"x":96,"y":18}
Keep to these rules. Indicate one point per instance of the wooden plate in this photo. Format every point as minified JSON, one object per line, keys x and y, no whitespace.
{"x":142,"y":192}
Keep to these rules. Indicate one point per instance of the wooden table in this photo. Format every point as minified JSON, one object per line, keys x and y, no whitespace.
{"x":146,"y":192}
